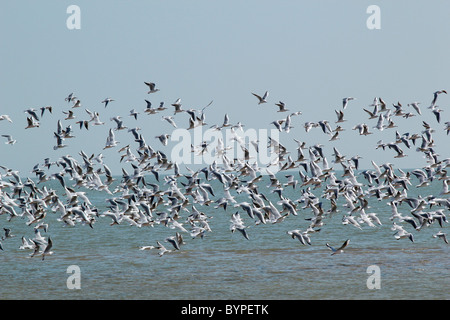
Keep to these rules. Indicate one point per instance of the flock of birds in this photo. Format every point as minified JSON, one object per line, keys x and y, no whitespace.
{"x":157,"y":193}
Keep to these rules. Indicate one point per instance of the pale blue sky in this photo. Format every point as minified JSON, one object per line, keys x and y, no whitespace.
{"x":308,"y":54}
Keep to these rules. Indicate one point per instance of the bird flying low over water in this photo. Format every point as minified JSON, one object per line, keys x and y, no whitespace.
{"x":340,"y":249}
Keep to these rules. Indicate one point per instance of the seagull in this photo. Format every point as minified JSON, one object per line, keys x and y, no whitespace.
{"x":152,"y":87}
{"x":435,"y":96}
{"x":161,"y":106}
{"x":400,"y":152}
{"x":372,"y":115}
{"x":177,"y":104}
{"x":70,"y":115}
{"x":83,"y":123}
{"x":340,"y":116}
{"x":96,"y":119}
{"x":32,"y":113}
{"x":345,"y":102}
{"x":281,"y":106}
{"x":119,"y":122}
{"x":133,"y":113}
{"x":170,"y":120}
{"x":149,"y":109}
{"x":5,"y":117}
{"x":380,"y":122}
{"x":325,"y":125}
{"x":415,"y":105}
{"x":77,"y":104}
{"x":363,"y":129}
{"x":437,"y":113}
{"x":340,"y":249}
{"x":25,"y":245}
{"x":162,"y":249}
{"x":32,"y":123}
{"x":309,"y":125}
{"x":441,"y":235}
{"x":164,"y":138}
{"x":49,"y":108}
{"x":301,"y":236}
{"x":173,"y":240}
{"x":107,"y":100}
{"x":262,"y":99}
{"x":9,"y":138}
{"x":110,"y":140}
{"x":402,"y":233}
{"x":70,"y":97}
{"x":48,"y":248}
{"x":226,"y":121}
{"x":7,"y":234}
{"x":59,"y":142}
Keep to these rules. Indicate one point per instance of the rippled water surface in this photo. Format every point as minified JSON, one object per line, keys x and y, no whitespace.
{"x":224,"y":265}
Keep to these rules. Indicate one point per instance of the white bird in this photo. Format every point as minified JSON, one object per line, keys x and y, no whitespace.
{"x":301,"y":236}
{"x":345,"y":102}
{"x":441,"y":235}
{"x":70,"y":115}
{"x":238,"y":224}
{"x":77,"y":104}
{"x":362,"y":128}
{"x":402,"y":233}
{"x":151,"y":87}
{"x":380,"y":123}
{"x":340,"y":116}
{"x":173,"y":240}
{"x":107,"y":100}
{"x":32,"y":123}
{"x":26,"y":245}
{"x":177,"y":104}
{"x":282,"y":107}
{"x":59,"y":142}
{"x":415,"y":105}
{"x":47,"y":250}
{"x":262,"y":99}
{"x":149,"y":109}
{"x":162,"y":249}
{"x":9,"y":138}
{"x":164,"y":138}
{"x":435,"y":96}
{"x":133,"y":113}
{"x":325,"y":126}
{"x":170,"y":120}
{"x":32,"y":113}
{"x":119,"y":122}
{"x":5,"y":117}
{"x":70,"y":97}
{"x":110,"y":140}
{"x":340,"y":249}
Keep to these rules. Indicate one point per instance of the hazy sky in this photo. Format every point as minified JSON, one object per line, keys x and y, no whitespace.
{"x":308,"y":54}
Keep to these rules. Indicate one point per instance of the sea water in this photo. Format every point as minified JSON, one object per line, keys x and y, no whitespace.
{"x":224,"y":265}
